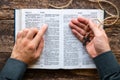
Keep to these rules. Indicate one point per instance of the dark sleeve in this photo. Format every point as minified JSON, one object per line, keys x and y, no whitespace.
{"x":107,"y":66}
{"x":13,"y":70}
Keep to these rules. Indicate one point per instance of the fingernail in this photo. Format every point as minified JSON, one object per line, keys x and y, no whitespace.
{"x":44,"y":25}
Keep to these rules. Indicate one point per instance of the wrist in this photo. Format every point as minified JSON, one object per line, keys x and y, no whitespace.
{"x":104,"y":50}
{"x":100,"y":53}
{"x":16,"y":57}
{"x":21,"y":57}
{"x":97,"y":53}
{"x":18,"y":61}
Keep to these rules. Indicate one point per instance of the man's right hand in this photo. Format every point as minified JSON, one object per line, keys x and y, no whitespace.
{"x":29,"y":44}
{"x":99,"y":41}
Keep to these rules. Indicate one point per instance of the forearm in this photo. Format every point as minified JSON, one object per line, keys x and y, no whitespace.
{"x":107,"y":66}
{"x":13,"y":70}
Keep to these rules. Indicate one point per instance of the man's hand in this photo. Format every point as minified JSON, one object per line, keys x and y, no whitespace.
{"x":29,"y":44}
{"x":99,"y":41}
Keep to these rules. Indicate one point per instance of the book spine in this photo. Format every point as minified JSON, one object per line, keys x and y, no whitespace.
{"x":14,"y":24}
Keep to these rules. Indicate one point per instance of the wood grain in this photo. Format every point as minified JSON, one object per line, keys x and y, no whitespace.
{"x":7,"y":37}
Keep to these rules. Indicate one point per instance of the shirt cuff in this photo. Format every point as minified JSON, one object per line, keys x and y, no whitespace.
{"x":106,"y":63}
{"x":13,"y":69}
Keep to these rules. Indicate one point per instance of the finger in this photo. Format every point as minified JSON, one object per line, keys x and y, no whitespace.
{"x":25,"y":31}
{"x":94,"y":28}
{"x":77,"y":34}
{"x":19,"y":34}
{"x":83,"y":20}
{"x":104,"y":32}
{"x":79,"y":24}
{"x":32,"y":32}
{"x":39,"y":35}
{"x":40,"y":47}
{"x":19,"y":37}
{"x":78,"y":29}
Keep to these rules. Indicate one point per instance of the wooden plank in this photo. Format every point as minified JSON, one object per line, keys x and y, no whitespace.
{"x":15,"y":4}
{"x":6,"y":35}
{"x":3,"y":58}
{"x":12,"y":4}
{"x":113,"y":33}
{"x":6,"y":14}
{"x":112,"y":20}
{"x":61,"y":75}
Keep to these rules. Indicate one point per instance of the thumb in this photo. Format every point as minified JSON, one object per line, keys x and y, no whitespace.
{"x":94,"y":28}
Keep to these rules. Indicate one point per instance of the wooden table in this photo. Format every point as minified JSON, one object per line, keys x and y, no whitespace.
{"x":7,"y":37}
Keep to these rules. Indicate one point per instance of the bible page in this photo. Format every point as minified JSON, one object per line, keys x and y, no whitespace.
{"x":75,"y":54}
{"x":50,"y":57}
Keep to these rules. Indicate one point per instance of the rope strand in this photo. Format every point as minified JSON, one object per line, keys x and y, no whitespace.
{"x":61,"y":7}
{"x":110,"y":14}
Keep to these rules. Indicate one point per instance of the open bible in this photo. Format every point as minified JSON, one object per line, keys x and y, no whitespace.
{"x":62,"y":49}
